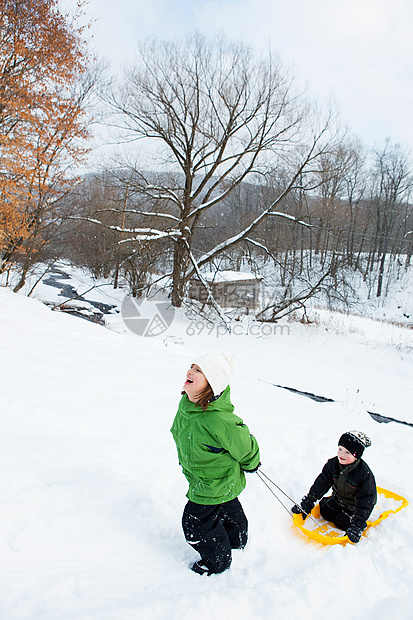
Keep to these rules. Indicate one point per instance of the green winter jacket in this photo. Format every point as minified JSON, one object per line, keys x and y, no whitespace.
{"x":214,"y":447}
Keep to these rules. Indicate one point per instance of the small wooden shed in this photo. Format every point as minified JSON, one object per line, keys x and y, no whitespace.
{"x":231,"y":289}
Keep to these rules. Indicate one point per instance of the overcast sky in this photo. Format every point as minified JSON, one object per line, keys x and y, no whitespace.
{"x":358,"y":51}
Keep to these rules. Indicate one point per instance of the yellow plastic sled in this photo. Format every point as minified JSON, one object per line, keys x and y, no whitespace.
{"x":327,"y":533}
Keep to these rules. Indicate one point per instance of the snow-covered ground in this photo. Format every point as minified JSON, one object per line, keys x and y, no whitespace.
{"x":92,"y":494}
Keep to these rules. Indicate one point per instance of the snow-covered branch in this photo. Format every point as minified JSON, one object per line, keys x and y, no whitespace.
{"x":136,"y":212}
{"x":151,"y":234}
{"x":290,"y":217}
{"x":208,"y":204}
{"x":263,"y":247}
{"x":243,"y":233}
{"x":163,"y":192}
{"x":143,"y":234}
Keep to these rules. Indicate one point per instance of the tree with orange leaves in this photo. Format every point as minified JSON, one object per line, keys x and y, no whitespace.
{"x":45,"y":86}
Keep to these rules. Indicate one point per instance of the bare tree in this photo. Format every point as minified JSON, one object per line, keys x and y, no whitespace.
{"x":393,"y":182}
{"x":355,"y":190}
{"x":212,"y":115}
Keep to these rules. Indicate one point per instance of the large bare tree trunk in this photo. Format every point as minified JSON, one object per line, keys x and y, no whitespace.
{"x":180,"y":260}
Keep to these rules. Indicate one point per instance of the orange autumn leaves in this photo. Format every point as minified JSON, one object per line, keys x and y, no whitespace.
{"x":43,"y":127}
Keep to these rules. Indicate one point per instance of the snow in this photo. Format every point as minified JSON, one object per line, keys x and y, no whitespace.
{"x":92,"y":493}
{"x":229,"y":276}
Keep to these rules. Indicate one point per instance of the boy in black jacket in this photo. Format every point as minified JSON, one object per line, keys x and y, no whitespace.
{"x":354,"y":488}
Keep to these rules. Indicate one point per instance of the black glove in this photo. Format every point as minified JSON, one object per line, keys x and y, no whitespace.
{"x":252,"y":471}
{"x":355,"y":529}
{"x":306,"y":506}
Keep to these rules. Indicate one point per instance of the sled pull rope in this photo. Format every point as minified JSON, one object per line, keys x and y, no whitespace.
{"x":262,"y":477}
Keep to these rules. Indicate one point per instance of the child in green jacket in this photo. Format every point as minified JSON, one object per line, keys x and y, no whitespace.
{"x":215,"y":448}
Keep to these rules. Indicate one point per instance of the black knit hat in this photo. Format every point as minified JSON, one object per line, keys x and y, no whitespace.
{"x":354,"y":442}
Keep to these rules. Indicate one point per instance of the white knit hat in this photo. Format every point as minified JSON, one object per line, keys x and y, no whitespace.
{"x":217,"y":368}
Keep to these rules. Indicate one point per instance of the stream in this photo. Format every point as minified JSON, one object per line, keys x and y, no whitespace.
{"x":55,"y":278}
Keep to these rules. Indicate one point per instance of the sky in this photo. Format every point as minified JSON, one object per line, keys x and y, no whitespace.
{"x":357,"y":52}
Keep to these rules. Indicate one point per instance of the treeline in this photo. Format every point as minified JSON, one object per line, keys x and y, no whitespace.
{"x":357,"y":220}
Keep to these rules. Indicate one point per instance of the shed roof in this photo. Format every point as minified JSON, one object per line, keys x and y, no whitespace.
{"x":229,"y":276}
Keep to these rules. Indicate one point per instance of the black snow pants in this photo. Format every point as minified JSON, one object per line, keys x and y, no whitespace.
{"x":331,"y":510}
{"x":213,"y":530}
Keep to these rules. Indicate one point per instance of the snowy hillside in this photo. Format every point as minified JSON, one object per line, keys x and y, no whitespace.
{"x":92,"y":494}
